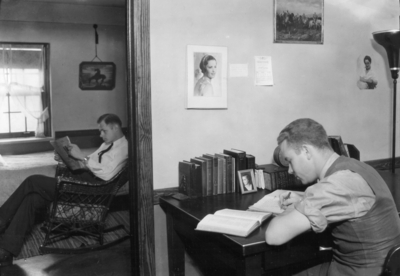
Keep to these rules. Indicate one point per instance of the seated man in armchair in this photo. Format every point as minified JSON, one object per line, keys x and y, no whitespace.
{"x":17,"y":214}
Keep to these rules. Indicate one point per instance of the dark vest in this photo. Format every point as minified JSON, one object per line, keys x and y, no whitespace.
{"x":361,"y":245}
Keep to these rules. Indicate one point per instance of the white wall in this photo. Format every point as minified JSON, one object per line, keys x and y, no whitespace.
{"x":69,"y":30}
{"x":316,"y":81}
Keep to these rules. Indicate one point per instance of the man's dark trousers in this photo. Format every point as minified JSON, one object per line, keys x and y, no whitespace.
{"x":30,"y":199}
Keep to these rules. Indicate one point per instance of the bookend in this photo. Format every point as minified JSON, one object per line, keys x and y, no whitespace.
{"x":180,"y":196}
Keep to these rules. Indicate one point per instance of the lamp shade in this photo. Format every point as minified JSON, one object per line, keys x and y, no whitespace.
{"x":390,"y":40}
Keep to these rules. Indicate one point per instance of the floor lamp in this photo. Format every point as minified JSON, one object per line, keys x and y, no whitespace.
{"x":390,"y":40}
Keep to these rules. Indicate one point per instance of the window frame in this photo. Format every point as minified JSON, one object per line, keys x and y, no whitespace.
{"x":46,"y":96}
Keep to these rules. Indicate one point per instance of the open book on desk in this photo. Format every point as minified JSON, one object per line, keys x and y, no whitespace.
{"x":232,"y":222}
{"x":61,"y":146}
{"x":270,"y":202}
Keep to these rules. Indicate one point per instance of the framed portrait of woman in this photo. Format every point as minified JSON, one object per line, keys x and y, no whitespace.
{"x":247,"y":181}
{"x":207,"y":77}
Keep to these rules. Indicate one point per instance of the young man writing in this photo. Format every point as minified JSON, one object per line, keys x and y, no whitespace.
{"x":350,"y":197}
{"x":17,"y":214}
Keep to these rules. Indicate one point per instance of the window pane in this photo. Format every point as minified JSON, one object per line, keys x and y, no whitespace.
{"x":4,"y":126}
{"x":2,"y":76}
{"x":17,"y":122}
{"x":14,"y":106}
{"x":22,"y":65}
{"x":26,"y":77}
{"x":31,"y":124}
{"x":4,"y":123}
{"x":33,"y":104}
{"x":31,"y":77}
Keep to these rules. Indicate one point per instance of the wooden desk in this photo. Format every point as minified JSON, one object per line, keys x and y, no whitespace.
{"x":224,"y":254}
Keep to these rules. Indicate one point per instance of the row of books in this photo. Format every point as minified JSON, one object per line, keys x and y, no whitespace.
{"x":273,"y":177}
{"x":344,"y":149}
{"x":213,"y":174}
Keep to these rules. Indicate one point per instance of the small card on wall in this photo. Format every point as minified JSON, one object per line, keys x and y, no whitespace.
{"x":263,"y":71}
{"x":238,"y":70}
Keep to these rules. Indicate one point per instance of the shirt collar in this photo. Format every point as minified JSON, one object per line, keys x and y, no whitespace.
{"x":328,"y":164}
{"x":119,"y":141}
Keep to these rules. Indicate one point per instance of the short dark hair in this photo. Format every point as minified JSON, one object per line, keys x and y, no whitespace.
{"x":109,"y":119}
{"x":367,"y":58}
{"x":304,"y":131}
{"x":204,"y":61}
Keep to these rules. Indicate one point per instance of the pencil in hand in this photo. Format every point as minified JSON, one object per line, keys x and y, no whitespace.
{"x":285,"y":198}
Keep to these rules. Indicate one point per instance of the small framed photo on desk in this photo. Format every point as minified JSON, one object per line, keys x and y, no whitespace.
{"x":247,"y":182}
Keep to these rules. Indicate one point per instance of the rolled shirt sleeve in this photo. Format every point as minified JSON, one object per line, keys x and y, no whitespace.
{"x":341,"y":196}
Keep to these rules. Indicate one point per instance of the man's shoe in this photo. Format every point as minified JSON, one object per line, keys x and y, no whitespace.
{"x":6,"y":258}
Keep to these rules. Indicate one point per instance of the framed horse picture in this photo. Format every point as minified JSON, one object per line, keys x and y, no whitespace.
{"x":299,"y":21}
{"x":96,"y":75}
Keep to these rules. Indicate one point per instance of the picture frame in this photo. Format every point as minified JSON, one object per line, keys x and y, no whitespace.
{"x":300,"y":22}
{"x":246,"y":178}
{"x":97,"y":75}
{"x":207,"y":86}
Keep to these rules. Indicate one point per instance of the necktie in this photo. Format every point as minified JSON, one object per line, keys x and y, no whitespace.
{"x":104,"y":151}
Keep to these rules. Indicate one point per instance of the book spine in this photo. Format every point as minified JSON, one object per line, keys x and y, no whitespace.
{"x":268,"y":181}
{"x":342,"y":148}
{"x":273,"y":181}
{"x":250,"y":161}
{"x":203,"y":178}
{"x":234,"y":178}
{"x":219,"y":175}
{"x":238,"y":163}
{"x":184,"y":179}
{"x":277,"y":180}
{"x":282,"y":180}
{"x":209,"y":177}
{"x":222,"y":188}
{"x":261,"y":182}
{"x":256,"y":179}
{"x":197,"y":189}
{"x":229,"y":174}
{"x":215,"y":176}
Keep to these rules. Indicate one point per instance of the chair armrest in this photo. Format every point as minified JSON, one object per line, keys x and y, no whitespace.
{"x":75,"y":180}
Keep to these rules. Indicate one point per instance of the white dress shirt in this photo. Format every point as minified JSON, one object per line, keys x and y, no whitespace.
{"x":112,"y":161}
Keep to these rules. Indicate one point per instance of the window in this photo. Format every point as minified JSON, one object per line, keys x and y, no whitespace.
{"x":24,"y":90}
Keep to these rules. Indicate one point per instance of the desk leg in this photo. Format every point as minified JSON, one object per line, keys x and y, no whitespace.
{"x":250,"y":266}
{"x":176,"y":250}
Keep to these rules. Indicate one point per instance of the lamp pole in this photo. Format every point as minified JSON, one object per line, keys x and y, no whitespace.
{"x":394,"y":125}
{"x":390,"y":40}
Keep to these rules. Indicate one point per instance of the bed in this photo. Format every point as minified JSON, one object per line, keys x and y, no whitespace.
{"x":19,"y":167}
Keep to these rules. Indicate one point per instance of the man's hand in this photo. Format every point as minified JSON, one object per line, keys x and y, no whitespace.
{"x":75,"y":152}
{"x":57,"y":157}
{"x":288,"y":198}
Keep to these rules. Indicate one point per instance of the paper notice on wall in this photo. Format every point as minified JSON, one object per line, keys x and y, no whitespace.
{"x":238,"y":70}
{"x":263,"y":71}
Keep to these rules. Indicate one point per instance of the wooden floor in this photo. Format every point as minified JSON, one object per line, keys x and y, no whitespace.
{"x":112,"y":261}
{"x":115,"y":261}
